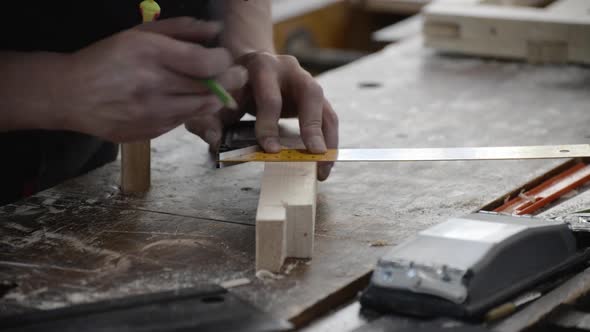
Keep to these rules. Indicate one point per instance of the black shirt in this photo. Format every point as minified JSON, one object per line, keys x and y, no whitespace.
{"x":34,"y":160}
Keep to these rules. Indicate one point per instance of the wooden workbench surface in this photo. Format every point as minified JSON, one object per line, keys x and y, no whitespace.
{"x":83,"y":241}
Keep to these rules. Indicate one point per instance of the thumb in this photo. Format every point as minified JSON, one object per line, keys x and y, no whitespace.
{"x":183,"y":28}
{"x":209,"y":128}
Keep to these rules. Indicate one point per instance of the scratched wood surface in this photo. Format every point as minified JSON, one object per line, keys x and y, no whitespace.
{"x":83,"y":241}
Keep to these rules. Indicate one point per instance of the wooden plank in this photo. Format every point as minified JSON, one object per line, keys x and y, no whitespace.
{"x":94,"y":252}
{"x":135,"y":167}
{"x":285,"y":219}
{"x":539,"y":35}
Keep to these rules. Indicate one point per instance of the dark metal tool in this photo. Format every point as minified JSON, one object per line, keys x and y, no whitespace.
{"x":206,"y":308}
{"x":467,"y":266}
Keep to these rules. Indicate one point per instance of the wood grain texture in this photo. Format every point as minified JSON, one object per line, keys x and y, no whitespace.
{"x":135,"y":167}
{"x":285,"y":218}
{"x":271,"y":238}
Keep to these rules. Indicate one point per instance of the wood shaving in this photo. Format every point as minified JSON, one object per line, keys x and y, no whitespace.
{"x":235,"y":283}
{"x":290,"y":267}
{"x":265,"y":275}
{"x":379,"y":243}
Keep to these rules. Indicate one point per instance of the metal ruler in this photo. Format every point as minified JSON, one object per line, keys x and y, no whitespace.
{"x":254,"y":153}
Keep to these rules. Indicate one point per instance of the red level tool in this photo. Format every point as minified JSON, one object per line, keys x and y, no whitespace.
{"x":550,"y":190}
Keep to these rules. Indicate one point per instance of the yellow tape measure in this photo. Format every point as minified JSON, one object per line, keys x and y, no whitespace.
{"x":255,"y":153}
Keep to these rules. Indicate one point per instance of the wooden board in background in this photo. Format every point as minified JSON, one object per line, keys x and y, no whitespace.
{"x":554,"y":34}
{"x":327,"y":24}
{"x":406,"y":7}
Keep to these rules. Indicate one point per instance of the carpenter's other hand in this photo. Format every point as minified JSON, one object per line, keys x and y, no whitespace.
{"x":143,"y":82}
{"x":280,"y":88}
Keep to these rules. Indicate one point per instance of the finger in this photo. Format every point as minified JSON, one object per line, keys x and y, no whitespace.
{"x":310,"y":104}
{"x":233,"y":79}
{"x":330,"y":130}
{"x":208,"y":127}
{"x":164,"y":113}
{"x":269,"y":102}
{"x":175,"y":110}
{"x":169,"y":113}
{"x":330,"y":126}
{"x":190,"y":59}
{"x":183,"y":28}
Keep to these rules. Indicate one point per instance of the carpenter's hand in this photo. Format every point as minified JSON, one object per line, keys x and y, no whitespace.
{"x":143,"y":82}
{"x":280,"y":88}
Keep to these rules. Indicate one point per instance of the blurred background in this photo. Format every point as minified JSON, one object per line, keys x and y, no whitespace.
{"x":324,"y":34}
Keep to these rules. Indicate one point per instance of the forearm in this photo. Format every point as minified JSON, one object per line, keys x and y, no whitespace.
{"x":248,"y":27}
{"x":28,"y":90}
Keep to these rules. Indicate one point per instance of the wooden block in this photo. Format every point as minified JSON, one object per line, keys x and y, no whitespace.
{"x":555,"y":34}
{"x":547,"y":52}
{"x":570,"y":7}
{"x":301,"y":212}
{"x":135,"y":167}
{"x":441,"y":30}
{"x":285,"y":219}
{"x":271,"y":238}
{"x":300,"y":230}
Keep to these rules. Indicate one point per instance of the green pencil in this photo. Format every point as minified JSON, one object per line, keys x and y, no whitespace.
{"x":221,"y":93}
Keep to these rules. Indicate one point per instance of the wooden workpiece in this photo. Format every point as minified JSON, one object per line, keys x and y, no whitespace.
{"x":84,"y":241}
{"x":285,"y":218}
{"x":557,"y":33}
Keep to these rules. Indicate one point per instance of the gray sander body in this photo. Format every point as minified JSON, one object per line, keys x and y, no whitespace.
{"x":466,"y":265}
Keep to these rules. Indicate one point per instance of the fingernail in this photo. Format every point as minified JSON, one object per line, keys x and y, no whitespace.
{"x":317,"y":145}
{"x":324,"y":171}
{"x":271,"y":144}
{"x":212,"y":136}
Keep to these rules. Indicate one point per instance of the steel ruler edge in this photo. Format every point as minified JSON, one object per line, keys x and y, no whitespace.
{"x":255,"y":154}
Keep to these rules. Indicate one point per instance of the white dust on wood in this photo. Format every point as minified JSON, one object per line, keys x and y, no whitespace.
{"x":265,"y":275}
{"x":178,"y":242}
{"x":235,"y":283}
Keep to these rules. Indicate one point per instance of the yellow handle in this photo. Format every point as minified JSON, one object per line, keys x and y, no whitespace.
{"x":150,"y":10}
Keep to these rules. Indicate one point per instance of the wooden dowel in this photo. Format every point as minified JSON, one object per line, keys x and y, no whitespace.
{"x":135,"y":167}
